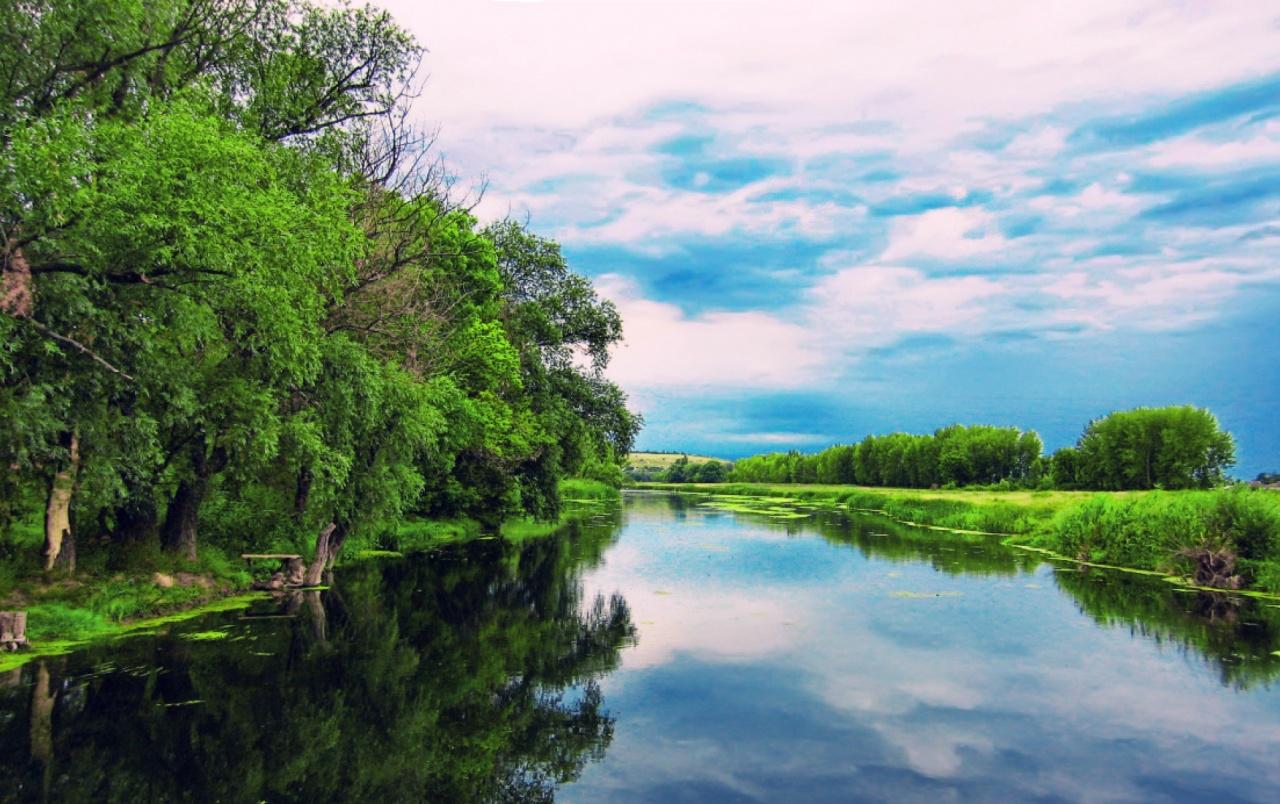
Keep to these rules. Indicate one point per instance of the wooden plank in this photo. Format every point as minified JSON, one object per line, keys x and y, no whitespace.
{"x":249,"y":556}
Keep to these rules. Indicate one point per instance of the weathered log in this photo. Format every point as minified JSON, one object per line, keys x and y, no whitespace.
{"x":319,"y":621}
{"x":295,"y":571}
{"x":274,"y":584}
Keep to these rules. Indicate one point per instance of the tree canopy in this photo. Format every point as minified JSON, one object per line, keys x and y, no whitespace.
{"x":235,"y":280}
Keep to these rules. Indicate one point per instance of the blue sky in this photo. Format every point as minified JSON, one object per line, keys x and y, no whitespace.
{"x":823,"y":219}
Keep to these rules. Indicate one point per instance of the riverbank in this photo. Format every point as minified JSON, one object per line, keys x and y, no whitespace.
{"x":1004,"y":513}
{"x":1226,"y":539}
{"x":144,"y":588}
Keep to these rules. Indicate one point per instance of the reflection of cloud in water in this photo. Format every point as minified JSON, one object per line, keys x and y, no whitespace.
{"x":707,"y":620}
{"x":1005,"y":685}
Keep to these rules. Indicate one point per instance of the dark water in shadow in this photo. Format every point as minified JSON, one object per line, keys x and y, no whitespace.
{"x":670,"y":652}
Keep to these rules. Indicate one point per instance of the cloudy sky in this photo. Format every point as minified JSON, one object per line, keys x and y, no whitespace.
{"x":823,"y":218}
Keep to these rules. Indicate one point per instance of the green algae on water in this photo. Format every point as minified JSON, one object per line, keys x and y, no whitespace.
{"x":205,"y":636}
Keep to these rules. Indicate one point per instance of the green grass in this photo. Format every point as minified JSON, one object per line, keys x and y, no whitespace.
{"x":112,"y":588}
{"x":1155,"y":531}
{"x":579,"y":489}
{"x":580,"y":497}
{"x":417,"y":535}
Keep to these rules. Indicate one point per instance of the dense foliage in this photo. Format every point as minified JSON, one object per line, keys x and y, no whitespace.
{"x":955,"y":455}
{"x":238,"y":298}
{"x":1172,"y":448}
{"x":1176,"y":447}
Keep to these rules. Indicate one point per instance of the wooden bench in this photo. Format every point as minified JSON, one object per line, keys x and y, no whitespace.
{"x":256,"y":556}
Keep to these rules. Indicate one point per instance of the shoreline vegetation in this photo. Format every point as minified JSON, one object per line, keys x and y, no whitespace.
{"x":246,"y":309}
{"x":1225,"y":539}
{"x":66,"y":614}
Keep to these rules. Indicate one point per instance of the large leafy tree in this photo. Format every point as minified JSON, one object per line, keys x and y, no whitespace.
{"x":232,"y":271}
{"x":563,"y":331}
{"x":1175,"y":447}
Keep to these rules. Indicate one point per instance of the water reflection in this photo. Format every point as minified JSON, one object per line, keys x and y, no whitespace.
{"x":1234,"y":635}
{"x":469,"y":675}
{"x":889,"y":663}
{"x":673,"y":652}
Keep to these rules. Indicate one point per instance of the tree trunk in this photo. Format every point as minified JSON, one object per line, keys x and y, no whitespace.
{"x":328,"y":543}
{"x":17,"y":290}
{"x":302,"y":494}
{"x":57,"y":515}
{"x":181,"y":521}
{"x":13,"y":630}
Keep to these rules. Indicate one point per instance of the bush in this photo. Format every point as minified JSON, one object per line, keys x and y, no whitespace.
{"x":579,"y":488}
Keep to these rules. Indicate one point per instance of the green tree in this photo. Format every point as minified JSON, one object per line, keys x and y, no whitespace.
{"x":1174,"y":447}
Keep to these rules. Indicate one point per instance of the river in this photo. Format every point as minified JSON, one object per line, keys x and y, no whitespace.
{"x":665,"y":651}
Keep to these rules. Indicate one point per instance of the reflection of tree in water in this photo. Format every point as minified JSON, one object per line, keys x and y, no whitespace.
{"x":468,"y":675}
{"x":874,"y":536}
{"x":1234,"y":635}
{"x":953,"y":553}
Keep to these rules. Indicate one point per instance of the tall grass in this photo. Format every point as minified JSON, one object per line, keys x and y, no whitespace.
{"x":581,"y":488}
{"x":987,"y":516}
{"x":1155,"y":530}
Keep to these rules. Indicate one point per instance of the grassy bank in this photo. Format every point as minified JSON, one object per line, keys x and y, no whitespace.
{"x":108,"y":592}
{"x":1221,"y":538}
{"x":136,"y":588}
{"x":1000,"y":512}
{"x":60,"y":642}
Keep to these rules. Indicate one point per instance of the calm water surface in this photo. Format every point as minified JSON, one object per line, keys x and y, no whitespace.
{"x":670,"y":652}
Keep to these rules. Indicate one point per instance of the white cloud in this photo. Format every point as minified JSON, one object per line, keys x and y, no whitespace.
{"x":646,"y":214}
{"x":1193,"y":151}
{"x":863,"y":307}
{"x":875,"y":305}
{"x":951,"y":233}
{"x":573,"y":63}
{"x":664,"y":347}
{"x":555,"y":103}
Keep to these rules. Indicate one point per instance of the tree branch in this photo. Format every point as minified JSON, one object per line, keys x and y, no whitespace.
{"x":48,"y":333}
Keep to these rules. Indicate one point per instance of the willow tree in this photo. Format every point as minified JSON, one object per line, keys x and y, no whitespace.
{"x":144,"y":278}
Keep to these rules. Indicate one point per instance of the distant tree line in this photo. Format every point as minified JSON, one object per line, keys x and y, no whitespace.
{"x":1177,"y":447}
